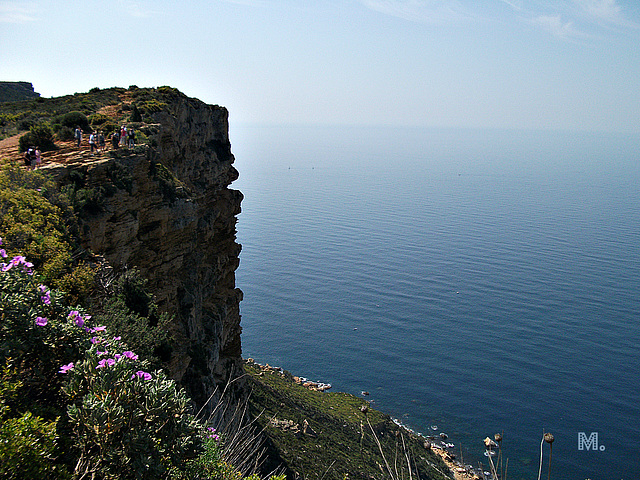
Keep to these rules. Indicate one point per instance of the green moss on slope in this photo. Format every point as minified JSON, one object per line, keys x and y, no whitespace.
{"x":339,"y":441}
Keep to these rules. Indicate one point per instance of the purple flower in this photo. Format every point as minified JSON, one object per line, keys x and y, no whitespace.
{"x":97,"y":329}
{"x":3,"y":253}
{"x":141,"y":374}
{"x":75,"y":316}
{"x":41,"y":321}
{"x":46,"y":298}
{"x":115,"y":339}
{"x":66,"y":368}
{"x":106,"y":362}
{"x":42,"y":288}
{"x":18,"y":260}
{"x":99,"y":353}
{"x":130,"y":355}
{"x":95,"y":340}
{"x":117,"y":356}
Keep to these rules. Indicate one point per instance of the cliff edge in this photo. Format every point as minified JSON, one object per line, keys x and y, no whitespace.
{"x":166,"y":208}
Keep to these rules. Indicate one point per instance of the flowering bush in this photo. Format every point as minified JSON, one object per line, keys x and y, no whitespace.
{"x":127,"y":422}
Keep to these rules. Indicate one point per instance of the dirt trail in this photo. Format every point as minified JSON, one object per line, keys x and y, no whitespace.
{"x":67,"y":152}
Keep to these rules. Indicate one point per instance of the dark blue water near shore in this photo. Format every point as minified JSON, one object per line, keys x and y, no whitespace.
{"x":480,"y":281}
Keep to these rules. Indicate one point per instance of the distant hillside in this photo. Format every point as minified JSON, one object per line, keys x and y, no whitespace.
{"x":16,"y":91}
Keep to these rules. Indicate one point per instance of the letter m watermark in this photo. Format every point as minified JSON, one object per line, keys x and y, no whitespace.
{"x":587,"y":443}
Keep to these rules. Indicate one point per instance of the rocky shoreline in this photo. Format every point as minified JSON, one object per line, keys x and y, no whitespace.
{"x":438,"y":444}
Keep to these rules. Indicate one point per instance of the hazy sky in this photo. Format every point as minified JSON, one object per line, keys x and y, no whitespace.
{"x":567,"y":64}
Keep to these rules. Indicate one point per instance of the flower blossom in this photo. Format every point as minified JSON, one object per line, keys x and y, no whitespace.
{"x":141,"y":374}
{"x":130,"y":355}
{"x":3,"y":253}
{"x":106,"y":362}
{"x":41,"y":321}
{"x":98,"y":329}
{"x":212,"y":434}
{"x":79,"y":319}
{"x":66,"y":368}
{"x":46,"y":298}
{"x":18,"y":260}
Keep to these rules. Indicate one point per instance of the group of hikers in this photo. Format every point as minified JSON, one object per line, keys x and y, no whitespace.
{"x":124,"y":137}
{"x":32,"y":158}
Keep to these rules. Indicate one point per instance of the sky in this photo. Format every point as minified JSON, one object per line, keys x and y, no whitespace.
{"x":517,"y":64}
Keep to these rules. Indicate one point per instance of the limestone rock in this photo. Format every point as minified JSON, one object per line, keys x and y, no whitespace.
{"x":177,"y":224}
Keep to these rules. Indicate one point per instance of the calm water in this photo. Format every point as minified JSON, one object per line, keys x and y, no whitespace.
{"x":480,"y":281}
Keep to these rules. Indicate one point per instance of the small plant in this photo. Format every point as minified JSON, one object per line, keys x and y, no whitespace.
{"x":135,"y":114}
{"x":40,"y":136}
{"x":75,"y":119}
{"x":65,"y":133}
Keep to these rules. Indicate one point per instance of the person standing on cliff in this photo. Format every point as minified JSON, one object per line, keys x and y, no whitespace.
{"x":78,"y":135}
{"x":38,"y":158}
{"x":92,"y":142}
{"x":102,"y":145}
{"x":115,"y":139}
{"x":123,"y":135}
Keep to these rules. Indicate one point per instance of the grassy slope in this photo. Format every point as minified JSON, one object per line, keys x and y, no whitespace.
{"x":343,"y":445}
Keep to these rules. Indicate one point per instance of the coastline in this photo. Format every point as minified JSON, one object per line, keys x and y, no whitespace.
{"x":436,"y":444}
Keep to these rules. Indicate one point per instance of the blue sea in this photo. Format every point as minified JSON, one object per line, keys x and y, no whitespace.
{"x":480,"y":281}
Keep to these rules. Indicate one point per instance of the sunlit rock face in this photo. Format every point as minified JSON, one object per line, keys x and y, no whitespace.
{"x":170,"y":213}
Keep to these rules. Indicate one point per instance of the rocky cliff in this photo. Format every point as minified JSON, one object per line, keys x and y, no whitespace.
{"x":168,"y":211}
{"x":16,"y":91}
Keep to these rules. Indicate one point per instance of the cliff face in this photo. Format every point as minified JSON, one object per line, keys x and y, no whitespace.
{"x":16,"y":91}
{"x":175,"y":221}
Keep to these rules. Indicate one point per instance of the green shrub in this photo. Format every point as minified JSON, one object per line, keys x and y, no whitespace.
{"x":38,"y":136}
{"x":135,"y":114}
{"x":75,"y":119}
{"x":38,"y":222}
{"x":97,"y":120}
{"x":78,"y":284}
{"x":27,"y":448}
{"x":130,"y":424}
{"x":131,"y":311}
{"x":65,"y":134}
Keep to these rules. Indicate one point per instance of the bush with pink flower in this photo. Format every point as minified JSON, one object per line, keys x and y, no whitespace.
{"x":126,"y":421}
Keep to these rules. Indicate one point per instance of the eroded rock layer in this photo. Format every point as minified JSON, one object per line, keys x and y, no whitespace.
{"x":170,"y":213}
